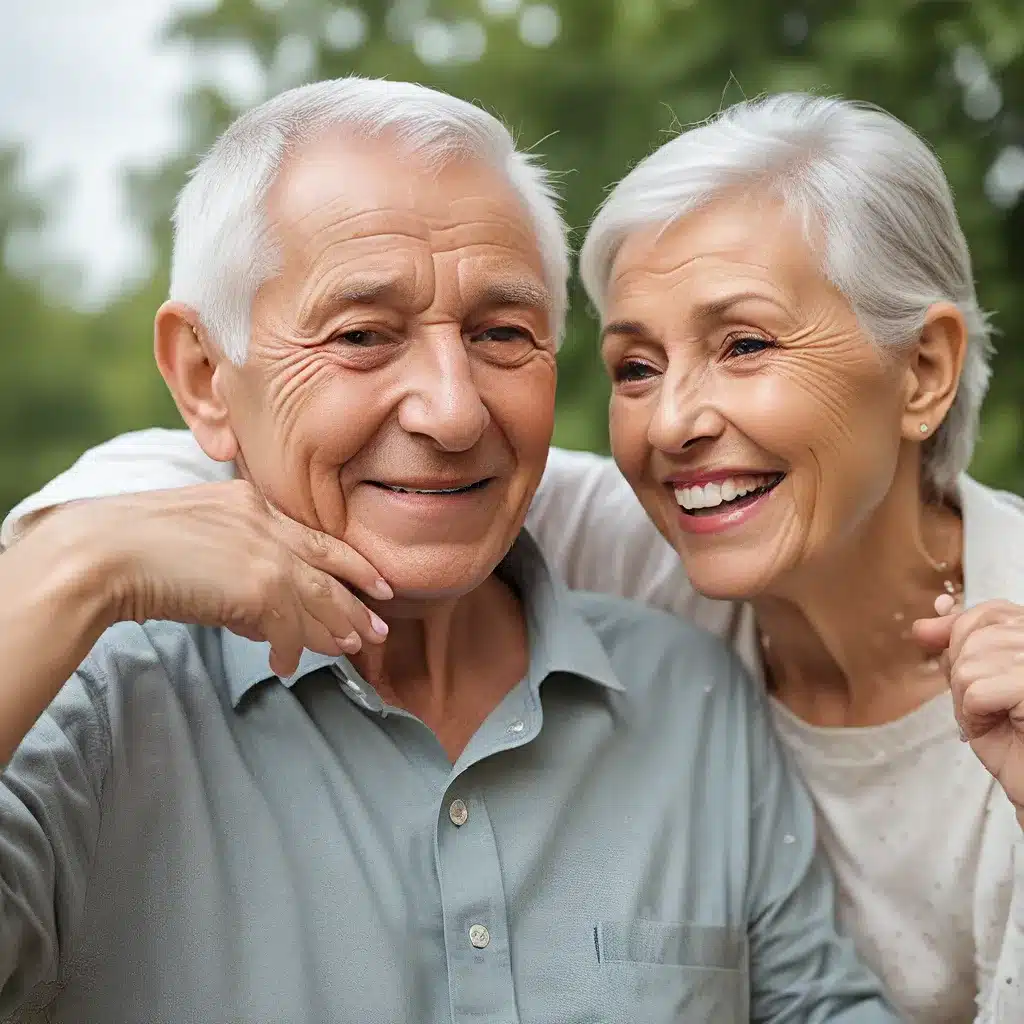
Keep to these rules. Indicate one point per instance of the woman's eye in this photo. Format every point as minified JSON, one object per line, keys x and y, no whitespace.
{"x":507,"y":333}
{"x":748,"y":346}
{"x":633,"y":370}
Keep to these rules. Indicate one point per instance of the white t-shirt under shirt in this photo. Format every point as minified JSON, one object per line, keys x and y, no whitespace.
{"x":926,"y":848}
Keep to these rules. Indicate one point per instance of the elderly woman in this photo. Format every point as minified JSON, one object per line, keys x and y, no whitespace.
{"x":798,"y":361}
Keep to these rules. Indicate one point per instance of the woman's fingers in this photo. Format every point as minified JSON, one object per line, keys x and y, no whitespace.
{"x":337,"y":609}
{"x":282,"y":627}
{"x":934,"y":634}
{"x":992,"y":695}
{"x":334,"y":557}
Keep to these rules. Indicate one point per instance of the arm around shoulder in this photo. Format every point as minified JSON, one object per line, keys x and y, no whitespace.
{"x":144,"y":460}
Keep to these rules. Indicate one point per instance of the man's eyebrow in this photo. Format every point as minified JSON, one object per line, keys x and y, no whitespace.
{"x":519,"y":291}
{"x":359,"y":289}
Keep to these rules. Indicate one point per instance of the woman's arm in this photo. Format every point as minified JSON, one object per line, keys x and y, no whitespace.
{"x":145,"y":460}
{"x":586,"y":518}
{"x":211,"y":555}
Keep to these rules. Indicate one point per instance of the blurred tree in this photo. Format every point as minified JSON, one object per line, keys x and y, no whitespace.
{"x":594,"y":85}
{"x":46,"y":392}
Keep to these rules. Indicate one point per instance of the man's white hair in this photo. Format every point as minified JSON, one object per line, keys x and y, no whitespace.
{"x":222,"y":248}
{"x":864,"y":186}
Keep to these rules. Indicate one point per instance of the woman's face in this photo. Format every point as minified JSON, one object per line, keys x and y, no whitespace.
{"x":757,"y":423}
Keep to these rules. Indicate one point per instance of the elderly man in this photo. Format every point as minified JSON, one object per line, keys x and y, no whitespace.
{"x":526,"y":805}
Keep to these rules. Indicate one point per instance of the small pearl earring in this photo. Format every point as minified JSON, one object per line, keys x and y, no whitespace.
{"x":923,"y":428}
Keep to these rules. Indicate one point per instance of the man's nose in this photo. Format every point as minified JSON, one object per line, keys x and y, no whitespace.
{"x":686,"y":413}
{"x":443,"y":400}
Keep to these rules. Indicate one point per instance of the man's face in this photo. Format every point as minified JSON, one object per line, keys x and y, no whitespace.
{"x":400,"y":385}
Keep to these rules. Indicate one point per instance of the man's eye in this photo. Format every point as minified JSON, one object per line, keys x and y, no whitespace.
{"x":358,"y":338}
{"x":507,"y":333}
{"x":633,"y":370}
{"x":748,"y":345}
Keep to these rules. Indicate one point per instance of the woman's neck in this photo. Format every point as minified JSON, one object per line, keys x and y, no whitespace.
{"x":836,"y":638}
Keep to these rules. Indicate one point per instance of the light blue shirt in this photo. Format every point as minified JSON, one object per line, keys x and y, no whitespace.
{"x":186,"y":838}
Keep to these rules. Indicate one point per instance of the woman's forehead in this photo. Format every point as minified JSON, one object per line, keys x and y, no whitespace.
{"x":711,"y":254}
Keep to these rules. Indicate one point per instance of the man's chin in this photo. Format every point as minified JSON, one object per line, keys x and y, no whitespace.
{"x":429,"y":572}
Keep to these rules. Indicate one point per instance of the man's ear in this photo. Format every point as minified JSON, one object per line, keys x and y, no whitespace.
{"x":193,"y":368}
{"x":933,"y":372}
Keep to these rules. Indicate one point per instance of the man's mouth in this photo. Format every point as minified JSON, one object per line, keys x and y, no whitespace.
{"x":462,"y":489}
{"x":726,"y":495}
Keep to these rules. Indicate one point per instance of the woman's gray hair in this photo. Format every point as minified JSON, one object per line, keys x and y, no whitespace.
{"x":862,"y":182}
{"x":222,"y":250}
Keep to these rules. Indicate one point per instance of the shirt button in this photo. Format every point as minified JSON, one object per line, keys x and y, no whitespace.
{"x":517,"y":727}
{"x":479,"y":936}
{"x":459,"y":813}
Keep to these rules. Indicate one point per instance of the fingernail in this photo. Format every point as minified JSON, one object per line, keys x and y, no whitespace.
{"x":379,"y":625}
{"x":383,"y":590}
{"x":944,"y":604}
{"x":961,"y":733}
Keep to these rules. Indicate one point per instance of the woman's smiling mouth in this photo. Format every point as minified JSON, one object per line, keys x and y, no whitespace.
{"x":711,"y":503}
{"x":728,"y":494}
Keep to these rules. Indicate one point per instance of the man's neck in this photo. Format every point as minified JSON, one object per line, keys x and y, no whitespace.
{"x":837,"y":639}
{"x":450,"y":662}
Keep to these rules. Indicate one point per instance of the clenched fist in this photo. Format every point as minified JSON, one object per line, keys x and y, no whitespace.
{"x":983,"y":656}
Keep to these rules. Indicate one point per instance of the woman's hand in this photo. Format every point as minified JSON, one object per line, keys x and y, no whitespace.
{"x":220,"y":555}
{"x":983,"y":657}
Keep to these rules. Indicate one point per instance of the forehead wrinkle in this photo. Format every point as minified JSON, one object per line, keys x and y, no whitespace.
{"x":453,"y":239}
{"x":327,"y":293}
{"x":727,"y":286}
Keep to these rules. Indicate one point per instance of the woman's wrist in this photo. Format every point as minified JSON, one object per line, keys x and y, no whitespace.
{"x":80,"y":564}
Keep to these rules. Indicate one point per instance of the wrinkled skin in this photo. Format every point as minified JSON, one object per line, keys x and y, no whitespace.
{"x":729,"y":348}
{"x":406,"y":341}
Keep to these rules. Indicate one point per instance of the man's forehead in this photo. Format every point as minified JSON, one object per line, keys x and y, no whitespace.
{"x":363,"y":225}
{"x":360,"y":188}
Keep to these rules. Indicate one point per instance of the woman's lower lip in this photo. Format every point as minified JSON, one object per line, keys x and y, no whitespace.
{"x":725,"y":520}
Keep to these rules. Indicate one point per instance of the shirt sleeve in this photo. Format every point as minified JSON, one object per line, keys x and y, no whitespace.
{"x":50,"y":800}
{"x":146,"y":460}
{"x":801,"y":970}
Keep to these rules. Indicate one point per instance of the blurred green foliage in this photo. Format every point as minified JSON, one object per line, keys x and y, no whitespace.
{"x":591,"y":84}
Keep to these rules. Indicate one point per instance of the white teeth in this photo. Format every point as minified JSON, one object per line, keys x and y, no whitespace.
{"x":711,"y":495}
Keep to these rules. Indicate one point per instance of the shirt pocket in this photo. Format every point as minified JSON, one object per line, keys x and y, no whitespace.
{"x":666,"y":973}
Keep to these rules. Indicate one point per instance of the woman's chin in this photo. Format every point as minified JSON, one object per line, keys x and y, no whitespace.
{"x":729,"y":576}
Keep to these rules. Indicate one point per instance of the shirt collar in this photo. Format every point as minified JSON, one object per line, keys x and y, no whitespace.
{"x":560,"y":639}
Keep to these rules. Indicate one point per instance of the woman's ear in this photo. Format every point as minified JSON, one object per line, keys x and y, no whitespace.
{"x":192,"y":367}
{"x":933,"y":371}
